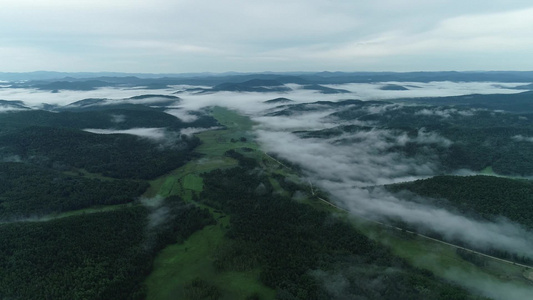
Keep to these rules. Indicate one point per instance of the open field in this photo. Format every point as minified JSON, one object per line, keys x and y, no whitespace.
{"x":177,"y":265}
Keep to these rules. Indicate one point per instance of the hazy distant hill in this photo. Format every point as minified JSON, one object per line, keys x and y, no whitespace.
{"x":7,"y":105}
{"x":393,"y":87}
{"x":324,"y":90}
{"x":253,"y":85}
{"x":517,"y":103}
{"x":279,"y":101}
{"x":66,"y":80}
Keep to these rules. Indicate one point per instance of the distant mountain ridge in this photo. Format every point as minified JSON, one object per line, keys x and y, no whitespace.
{"x":304,"y":78}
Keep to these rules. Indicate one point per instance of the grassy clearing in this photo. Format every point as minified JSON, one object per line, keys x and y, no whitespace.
{"x":177,"y":265}
{"x":180,"y":263}
{"x":231,"y":119}
{"x":193,"y":182}
{"x":214,"y":144}
{"x":217,"y":142}
{"x":236,"y":135}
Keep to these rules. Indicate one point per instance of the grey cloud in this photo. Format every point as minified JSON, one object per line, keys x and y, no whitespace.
{"x":159,"y":213}
{"x":273,"y":35}
{"x":445,"y":113}
{"x":183,"y":115}
{"x":164,"y":138}
{"x":5,"y":108}
{"x":35,"y":98}
{"x":193,"y":130}
{"x":156,"y":134}
{"x":359,"y":162}
{"x":118,"y":118}
{"x":372,"y":91}
{"x":521,"y":138}
{"x":377,"y":203}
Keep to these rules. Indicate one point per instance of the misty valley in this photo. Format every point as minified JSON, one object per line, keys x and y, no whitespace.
{"x":266,"y":186}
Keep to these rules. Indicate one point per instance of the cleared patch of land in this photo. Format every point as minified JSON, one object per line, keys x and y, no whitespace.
{"x":179,"y":264}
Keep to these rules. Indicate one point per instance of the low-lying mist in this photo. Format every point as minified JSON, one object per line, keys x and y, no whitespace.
{"x":344,"y":166}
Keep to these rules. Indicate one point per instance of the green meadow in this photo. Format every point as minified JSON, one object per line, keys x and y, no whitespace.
{"x":180,"y":264}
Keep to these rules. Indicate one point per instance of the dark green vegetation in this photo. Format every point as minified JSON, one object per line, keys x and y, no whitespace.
{"x":264,"y":237}
{"x":482,"y":197}
{"x":71,"y":224}
{"x":180,"y":268}
{"x":29,"y":191}
{"x":56,"y":141}
{"x":94,"y":256}
{"x":99,"y":116}
{"x":487,"y":196}
{"x":116,"y":155}
{"x":300,"y":249}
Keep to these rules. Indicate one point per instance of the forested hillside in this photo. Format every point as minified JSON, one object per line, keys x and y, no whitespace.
{"x":299,"y":248}
{"x":488,"y":196}
{"x":30,"y":191}
{"x":93,"y":256}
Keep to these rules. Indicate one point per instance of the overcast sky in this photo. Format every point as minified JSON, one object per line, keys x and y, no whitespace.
{"x":178,"y":36}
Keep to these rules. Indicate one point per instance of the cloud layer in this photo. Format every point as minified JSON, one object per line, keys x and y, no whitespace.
{"x":311,"y":35}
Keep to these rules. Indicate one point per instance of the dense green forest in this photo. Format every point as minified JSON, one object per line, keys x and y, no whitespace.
{"x":486,"y":196}
{"x":56,"y":141}
{"x":48,"y":165}
{"x":30,"y":191}
{"x":113,"y":155}
{"x":482,"y":197}
{"x":299,"y":248}
{"x":103,"y":255}
{"x":119,"y":116}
